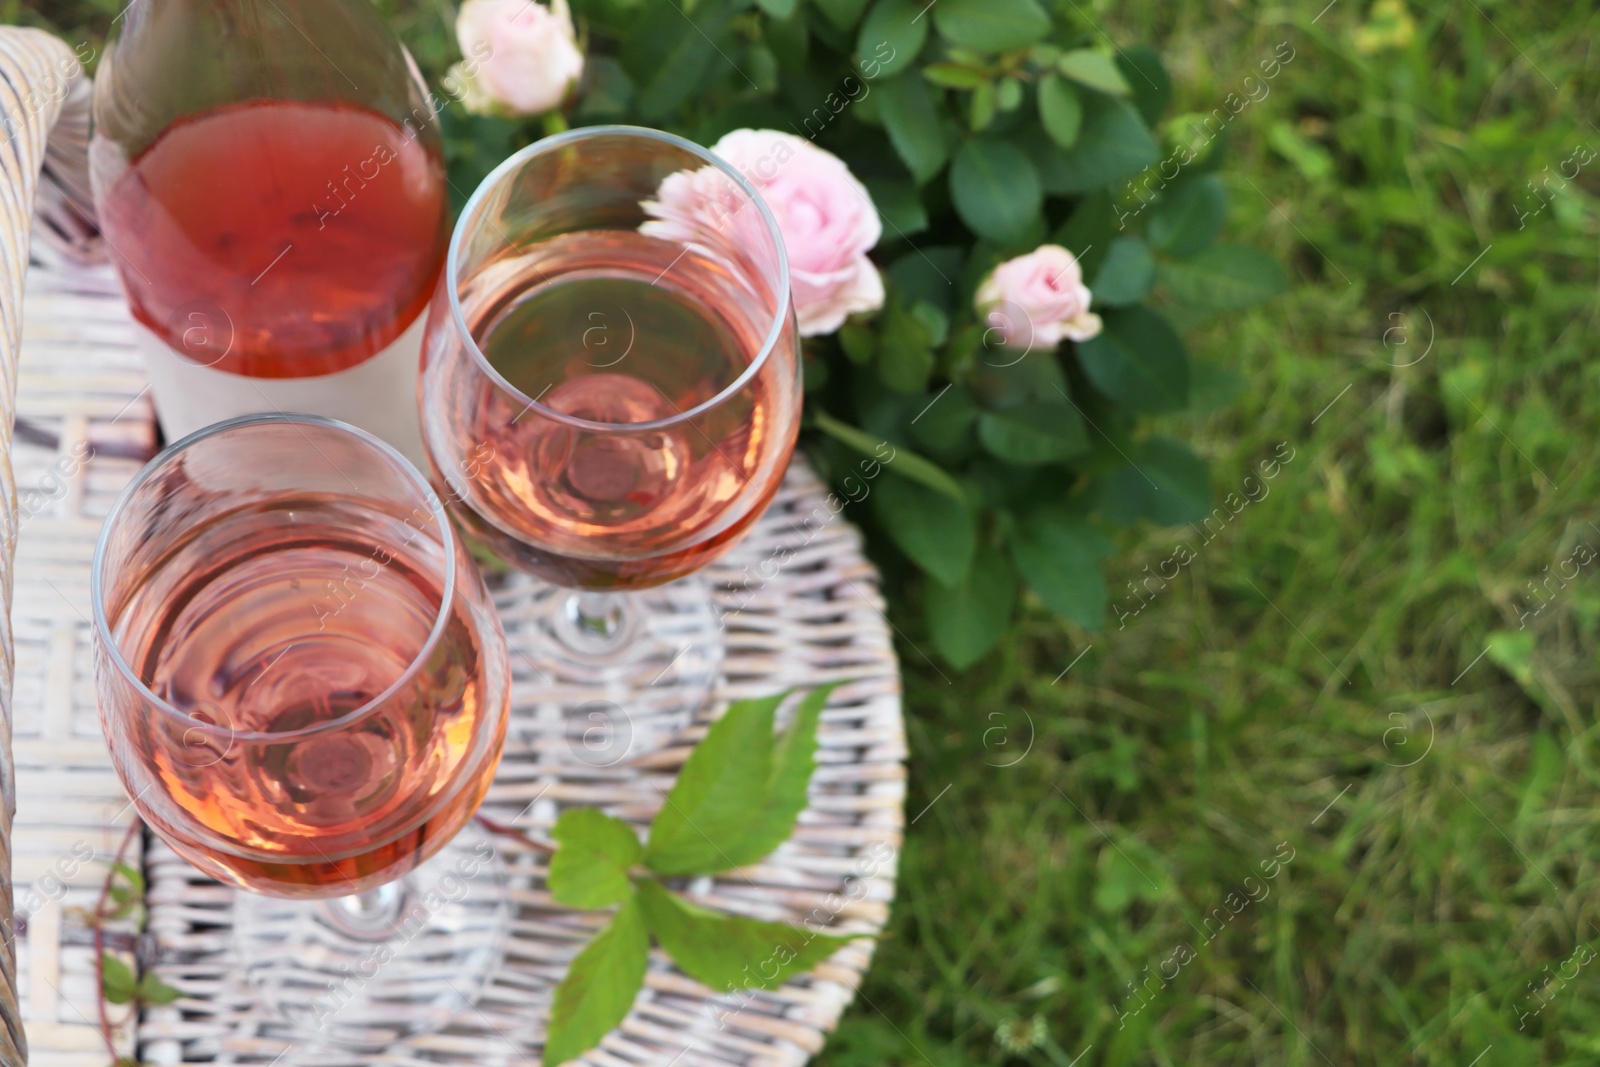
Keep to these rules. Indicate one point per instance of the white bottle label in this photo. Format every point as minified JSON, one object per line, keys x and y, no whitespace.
{"x":379,"y":395}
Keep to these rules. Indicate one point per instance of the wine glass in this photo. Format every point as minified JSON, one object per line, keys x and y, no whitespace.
{"x":304,"y":687}
{"x":610,"y":395}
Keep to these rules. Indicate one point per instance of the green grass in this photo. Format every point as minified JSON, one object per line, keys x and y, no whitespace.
{"x":1329,"y":634}
{"x":1315,"y":679}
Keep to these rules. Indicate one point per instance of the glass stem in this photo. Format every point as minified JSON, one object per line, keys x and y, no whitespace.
{"x":376,"y":915}
{"x":596,"y":624}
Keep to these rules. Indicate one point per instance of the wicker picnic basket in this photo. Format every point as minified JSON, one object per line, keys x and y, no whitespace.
{"x":75,"y":425}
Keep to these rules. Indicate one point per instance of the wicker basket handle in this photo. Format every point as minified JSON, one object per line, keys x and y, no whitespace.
{"x":38,"y":75}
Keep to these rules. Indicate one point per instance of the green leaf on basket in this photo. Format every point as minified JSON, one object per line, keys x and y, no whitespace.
{"x":966,"y":620}
{"x":1114,"y":144}
{"x":1060,"y":110}
{"x":1126,"y":275}
{"x":117,"y":979}
{"x":995,"y":189}
{"x":1040,"y":431}
{"x":706,"y":816}
{"x":1059,"y":555}
{"x":729,"y":952}
{"x":1152,"y":85}
{"x":1163,"y":481}
{"x":153,"y":990}
{"x":740,"y":791}
{"x":908,"y":463}
{"x":1094,"y":69}
{"x":939,"y":534}
{"x":842,"y":13}
{"x":1138,"y":361}
{"x":897,"y":202}
{"x":1225,"y":278}
{"x":991,"y":25}
{"x":599,"y":986}
{"x":794,"y":758}
{"x":1188,"y":218}
{"x":911,"y":117}
{"x":590,"y":869}
{"x":896,"y":25}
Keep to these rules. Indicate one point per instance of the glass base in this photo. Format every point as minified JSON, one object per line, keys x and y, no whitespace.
{"x":364,"y":972}
{"x":628,"y":670}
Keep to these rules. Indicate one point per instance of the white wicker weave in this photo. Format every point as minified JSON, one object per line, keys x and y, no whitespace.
{"x":85,"y":426}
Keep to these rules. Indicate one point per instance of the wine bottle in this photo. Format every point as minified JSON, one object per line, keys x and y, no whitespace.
{"x":270,"y":181}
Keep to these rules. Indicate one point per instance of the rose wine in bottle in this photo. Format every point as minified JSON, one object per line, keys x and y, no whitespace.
{"x":271,"y":185}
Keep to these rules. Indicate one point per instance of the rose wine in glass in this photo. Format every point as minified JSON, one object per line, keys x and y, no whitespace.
{"x":304,"y":687}
{"x":625,"y":511}
{"x":275,"y":203}
{"x":610,"y":403}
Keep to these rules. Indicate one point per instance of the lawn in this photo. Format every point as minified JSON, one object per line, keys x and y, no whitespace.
{"x":1323,"y":790}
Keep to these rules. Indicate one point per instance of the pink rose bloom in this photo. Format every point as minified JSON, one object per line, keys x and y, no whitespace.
{"x":522,"y":56}
{"x":827,"y":220}
{"x":1034,"y":301}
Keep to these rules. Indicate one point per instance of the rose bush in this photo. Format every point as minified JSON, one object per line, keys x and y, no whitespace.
{"x":993,"y":233}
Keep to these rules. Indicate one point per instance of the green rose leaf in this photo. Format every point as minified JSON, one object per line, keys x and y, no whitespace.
{"x":991,"y":25}
{"x":1059,"y":554}
{"x":669,"y":54}
{"x":1114,"y":144}
{"x":1126,"y":275}
{"x":944,"y":425}
{"x":917,"y":468}
{"x":860,"y":344}
{"x":1188,"y":218}
{"x":955,"y":75}
{"x":996,"y":189}
{"x":1225,"y":278}
{"x":1088,"y":231}
{"x":599,"y":986}
{"x":1094,"y":69}
{"x":740,"y":791}
{"x":117,"y":979}
{"x":590,"y":869}
{"x":842,"y":13}
{"x":1059,"y":110}
{"x":778,"y":9}
{"x":896,"y":26}
{"x":1163,"y":481}
{"x":966,"y":620}
{"x":939,"y":534}
{"x":1152,"y":85}
{"x":899,"y":206}
{"x":911,"y":117}
{"x":729,"y":952}
{"x":1041,"y":431}
{"x":1212,"y":387}
{"x":905,"y":350}
{"x":1138,"y":361}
